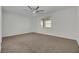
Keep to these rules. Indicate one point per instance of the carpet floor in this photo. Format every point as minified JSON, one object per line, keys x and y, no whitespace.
{"x":38,"y":43}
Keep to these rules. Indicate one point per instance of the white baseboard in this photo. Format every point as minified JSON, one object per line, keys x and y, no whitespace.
{"x":63,"y":36}
{"x":14,"y":34}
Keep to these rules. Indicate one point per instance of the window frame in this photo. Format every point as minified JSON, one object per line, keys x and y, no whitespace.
{"x":43,"y":23}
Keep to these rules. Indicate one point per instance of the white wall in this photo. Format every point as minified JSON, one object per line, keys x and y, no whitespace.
{"x":13,"y":24}
{"x":0,"y":27}
{"x":33,"y":24}
{"x":78,"y":23}
{"x":64,"y":23}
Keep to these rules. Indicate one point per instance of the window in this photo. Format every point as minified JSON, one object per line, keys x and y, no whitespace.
{"x":46,"y":23}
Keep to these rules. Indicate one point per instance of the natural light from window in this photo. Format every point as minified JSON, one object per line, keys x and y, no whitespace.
{"x":46,"y":23}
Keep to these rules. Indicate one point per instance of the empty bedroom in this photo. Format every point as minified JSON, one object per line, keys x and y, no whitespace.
{"x":39,"y":29}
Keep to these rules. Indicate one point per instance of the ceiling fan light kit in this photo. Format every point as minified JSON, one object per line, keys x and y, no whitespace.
{"x":35,"y":10}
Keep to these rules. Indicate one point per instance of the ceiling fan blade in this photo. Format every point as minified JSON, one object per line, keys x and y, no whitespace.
{"x":37,"y":7}
{"x":40,"y":11}
{"x":28,"y":10}
{"x":30,"y":7}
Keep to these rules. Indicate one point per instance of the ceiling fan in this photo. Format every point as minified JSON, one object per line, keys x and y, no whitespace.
{"x":35,"y":10}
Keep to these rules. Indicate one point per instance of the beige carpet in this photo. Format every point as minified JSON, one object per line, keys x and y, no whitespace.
{"x":38,"y":43}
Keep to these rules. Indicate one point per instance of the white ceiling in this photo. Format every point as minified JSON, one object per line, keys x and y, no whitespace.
{"x":21,"y":9}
